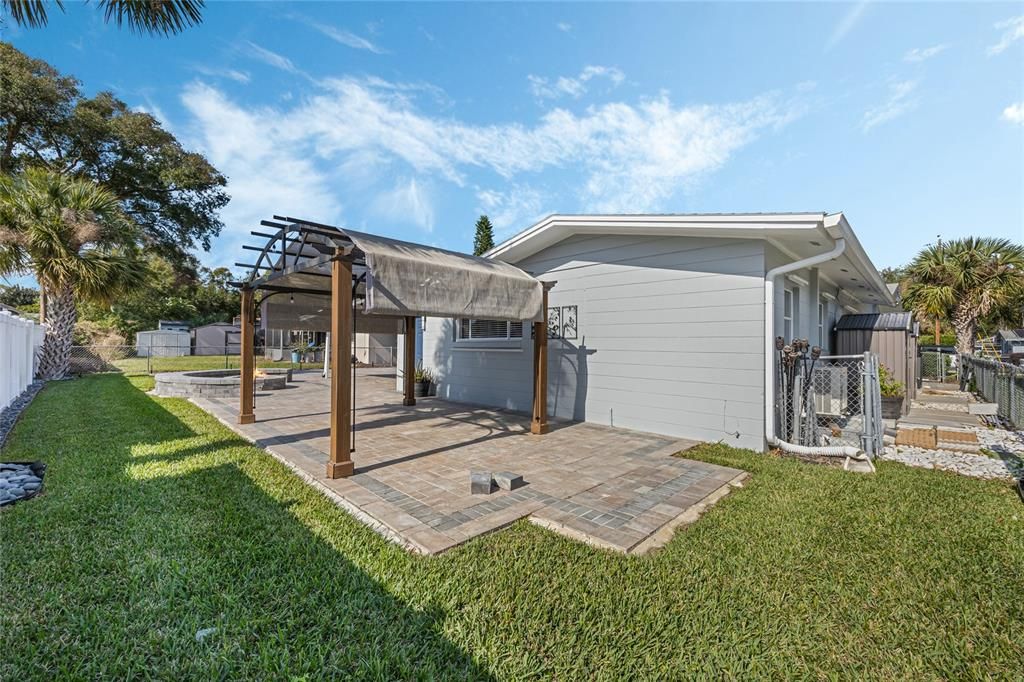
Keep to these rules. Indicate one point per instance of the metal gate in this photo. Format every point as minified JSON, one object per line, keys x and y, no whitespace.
{"x":830,"y":400}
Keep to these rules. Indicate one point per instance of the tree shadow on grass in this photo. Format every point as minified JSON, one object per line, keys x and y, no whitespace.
{"x":133,"y":559}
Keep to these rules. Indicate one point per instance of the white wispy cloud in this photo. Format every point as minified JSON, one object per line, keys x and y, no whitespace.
{"x":899,"y":102}
{"x":272,"y":58}
{"x":626,"y":156}
{"x":344,"y":37}
{"x":512,"y":209}
{"x":407,"y":201}
{"x":846,"y":24}
{"x":563,"y":26}
{"x":576,"y":87}
{"x":232,"y":74}
{"x":1014,"y":113}
{"x":1013,"y":30}
{"x":267,"y":172}
{"x":919,"y":54}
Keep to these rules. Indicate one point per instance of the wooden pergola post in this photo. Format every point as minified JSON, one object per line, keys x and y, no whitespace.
{"x":539,"y":424}
{"x":409,"y":362}
{"x":245,"y":409}
{"x":340,"y":463}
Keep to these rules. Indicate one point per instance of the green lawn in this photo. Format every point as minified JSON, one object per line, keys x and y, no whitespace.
{"x":157,"y":522}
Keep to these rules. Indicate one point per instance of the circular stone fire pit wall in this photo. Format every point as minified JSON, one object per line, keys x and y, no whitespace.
{"x":213,"y":383}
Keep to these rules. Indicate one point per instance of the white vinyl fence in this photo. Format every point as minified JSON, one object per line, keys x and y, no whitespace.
{"x":19,"y":341}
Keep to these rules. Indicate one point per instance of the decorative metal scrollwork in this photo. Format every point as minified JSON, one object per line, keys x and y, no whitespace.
{"x":554,"y":322}
{"x":569,"y":329}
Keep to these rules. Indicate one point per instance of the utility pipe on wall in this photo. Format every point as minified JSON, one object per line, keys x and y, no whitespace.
{"x":769,"y":338}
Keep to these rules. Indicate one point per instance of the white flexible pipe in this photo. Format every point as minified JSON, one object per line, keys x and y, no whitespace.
{"x":769,"y":349}
{"x":824,"y":450}
{"x":847,"y":451}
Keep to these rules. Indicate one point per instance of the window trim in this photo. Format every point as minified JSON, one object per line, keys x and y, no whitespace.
{"x":790,"y":318}
{"x":507,"y":339}
{"x":822,"y":313}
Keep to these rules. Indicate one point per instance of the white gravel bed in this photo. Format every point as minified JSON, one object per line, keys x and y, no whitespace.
{"x":1008,"y":445}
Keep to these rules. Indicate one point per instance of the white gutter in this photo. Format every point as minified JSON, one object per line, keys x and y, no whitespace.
{"x":769,"y":356}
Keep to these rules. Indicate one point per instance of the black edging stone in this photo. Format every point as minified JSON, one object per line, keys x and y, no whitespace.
{"x":9,"y":415}
{"x":8,"y":418}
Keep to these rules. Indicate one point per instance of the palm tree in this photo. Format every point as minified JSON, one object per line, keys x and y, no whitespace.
{"x":142,"y":16}
{"x":71,"y":234}
{"x":963,"y":280}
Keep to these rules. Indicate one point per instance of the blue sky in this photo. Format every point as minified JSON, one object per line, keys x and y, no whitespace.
{"x":411,"y":120}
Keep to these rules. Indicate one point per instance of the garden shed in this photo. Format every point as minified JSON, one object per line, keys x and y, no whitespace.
{"x":892,"y":336}
{"x":218,"y":338}
{"x":163,"y":343}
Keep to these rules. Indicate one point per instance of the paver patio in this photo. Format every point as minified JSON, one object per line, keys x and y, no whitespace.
{"x":612,"y":488}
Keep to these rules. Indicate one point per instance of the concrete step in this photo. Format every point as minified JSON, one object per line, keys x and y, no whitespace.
{"x":925,"y":417}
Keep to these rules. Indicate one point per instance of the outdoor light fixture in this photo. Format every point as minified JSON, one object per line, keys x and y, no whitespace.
{"x":291,"y":298}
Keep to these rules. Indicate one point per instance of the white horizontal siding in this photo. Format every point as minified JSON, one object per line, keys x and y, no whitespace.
{"x":669,"y":339}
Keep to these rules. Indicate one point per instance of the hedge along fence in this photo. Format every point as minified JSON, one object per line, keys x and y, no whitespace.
{"x":20,"y":339}
{"x":1001,"y":383}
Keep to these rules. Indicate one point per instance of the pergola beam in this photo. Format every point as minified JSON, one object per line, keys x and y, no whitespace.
{"x":539,"y":423}
{"x":409,"y":362}
{"x":246,"y":413}
{"x":339,"y":464}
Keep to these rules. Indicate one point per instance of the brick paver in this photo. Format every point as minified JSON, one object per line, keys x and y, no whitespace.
{"x":609,"y":487}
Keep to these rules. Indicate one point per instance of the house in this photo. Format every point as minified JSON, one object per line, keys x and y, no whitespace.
{"x":1010,"y":343}
{"x":375,"y":341}
{"x":217,"y":338}
{"x":662,"y":323}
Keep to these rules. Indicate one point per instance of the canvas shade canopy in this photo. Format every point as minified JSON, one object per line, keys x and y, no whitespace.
{"x":394,"y":278}
{"x":314,"y":276}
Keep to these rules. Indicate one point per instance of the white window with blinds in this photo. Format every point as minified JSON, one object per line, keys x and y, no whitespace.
{"x":487,"y":330}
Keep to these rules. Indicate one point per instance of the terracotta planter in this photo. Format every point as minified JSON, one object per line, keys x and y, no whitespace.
{"x":892,"y":407}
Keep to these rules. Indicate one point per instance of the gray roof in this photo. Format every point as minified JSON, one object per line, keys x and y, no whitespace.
{"x":877,"y":322}
{"x":1008,"y":334}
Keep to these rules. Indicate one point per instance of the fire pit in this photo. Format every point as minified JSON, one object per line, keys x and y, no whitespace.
{"x":213,"y":383}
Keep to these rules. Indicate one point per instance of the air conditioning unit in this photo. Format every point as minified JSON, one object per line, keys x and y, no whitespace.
{"x":830,"y":391}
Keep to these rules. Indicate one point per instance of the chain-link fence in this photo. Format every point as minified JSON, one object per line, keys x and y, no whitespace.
{"x":156,"y":359}
{"x":938,"y":363}
{"x":830,"y":400}
{"x":998,"y":382}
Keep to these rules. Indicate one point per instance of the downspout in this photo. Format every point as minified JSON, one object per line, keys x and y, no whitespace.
{"x":769,"y":358}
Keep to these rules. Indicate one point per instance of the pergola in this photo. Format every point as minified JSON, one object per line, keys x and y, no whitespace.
{"x":333,"y":277}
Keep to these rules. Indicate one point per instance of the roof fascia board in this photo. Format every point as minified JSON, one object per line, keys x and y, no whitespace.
{"x":654,"y":224}
{"x":867,"y":269}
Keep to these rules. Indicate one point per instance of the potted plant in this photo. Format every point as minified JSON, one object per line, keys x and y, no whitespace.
{"x":297,"y":350}
{"x":892,"y":394}
{"x":423,"y":378}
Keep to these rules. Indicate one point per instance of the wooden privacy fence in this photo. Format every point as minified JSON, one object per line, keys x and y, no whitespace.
{"x":19,"y":340}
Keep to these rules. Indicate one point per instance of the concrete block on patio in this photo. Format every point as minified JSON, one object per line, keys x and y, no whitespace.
{"x":481,"y":483}
{"x":506,"y":480}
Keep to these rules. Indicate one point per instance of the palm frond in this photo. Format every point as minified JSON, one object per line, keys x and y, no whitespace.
{"x":163,"y":17}
{"x":31,"y":13}
{"x":70,"y":232}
